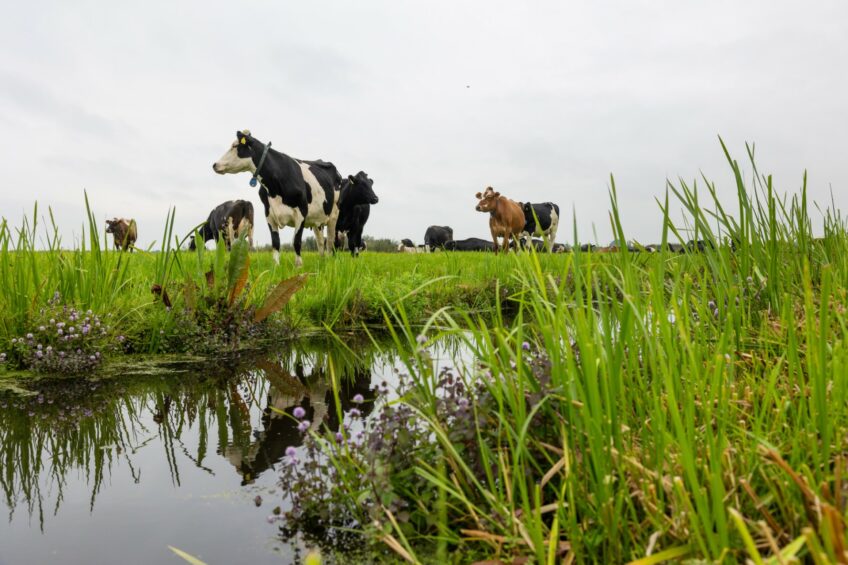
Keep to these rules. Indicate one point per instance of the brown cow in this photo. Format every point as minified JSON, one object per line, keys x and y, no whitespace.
{"x":506,"y":217}
{"x":124,"y":232}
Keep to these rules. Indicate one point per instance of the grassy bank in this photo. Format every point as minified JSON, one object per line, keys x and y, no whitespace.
{"x":161,"y":300}
{"x":635,"y":410}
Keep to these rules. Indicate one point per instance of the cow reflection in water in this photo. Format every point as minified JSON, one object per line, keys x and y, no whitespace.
{"x":251,"y":451}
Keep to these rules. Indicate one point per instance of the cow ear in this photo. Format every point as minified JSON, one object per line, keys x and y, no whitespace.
{"x":527,"y":207}
{"x":350,"y":178}
{"x":479,"y":195}
{"x":243,"y":137}
{"x":497,"y":195}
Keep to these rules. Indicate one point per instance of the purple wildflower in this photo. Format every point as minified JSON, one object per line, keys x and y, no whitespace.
{"x":358,"y":399}
{"x":303,"y":426}
{"x":525,"y":346}
{"x":355,"y":413}
{"x":299,"y":412}
{"x":421,"y":339}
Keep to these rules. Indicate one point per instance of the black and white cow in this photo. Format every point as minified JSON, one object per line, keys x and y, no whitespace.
{"x":527,"y":243}
{"x":436,"y":236}
{"x":541,"y":220}
{"x":560,"y":248}
{"x":470,"y":244}
{"x":355,"y":200}
{"x":229,"y":220}
{"x":294,"y":192}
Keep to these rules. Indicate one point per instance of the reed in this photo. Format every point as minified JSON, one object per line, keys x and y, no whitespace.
{"x":637,"y":407}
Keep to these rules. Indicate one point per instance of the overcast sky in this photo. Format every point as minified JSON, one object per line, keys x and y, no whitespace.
{"x":434,"y":100}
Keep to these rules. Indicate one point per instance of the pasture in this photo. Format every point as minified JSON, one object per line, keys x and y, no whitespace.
{"x":607,"y":407}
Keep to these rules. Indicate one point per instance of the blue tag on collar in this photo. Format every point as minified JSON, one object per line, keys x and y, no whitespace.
{"x":253,"y":182}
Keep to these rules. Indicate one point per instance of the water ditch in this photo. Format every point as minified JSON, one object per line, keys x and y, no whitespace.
{"x":168,"y":452}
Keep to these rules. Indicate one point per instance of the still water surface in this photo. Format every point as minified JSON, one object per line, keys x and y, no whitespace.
{"x":117,"y":469}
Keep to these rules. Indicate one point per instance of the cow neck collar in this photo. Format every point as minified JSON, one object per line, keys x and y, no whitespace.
{"x":259,"y":166}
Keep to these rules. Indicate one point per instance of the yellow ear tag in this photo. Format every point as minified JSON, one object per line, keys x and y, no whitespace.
{"x":243,"y":141}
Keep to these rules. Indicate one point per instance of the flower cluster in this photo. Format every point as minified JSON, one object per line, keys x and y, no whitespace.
{"x":369,"y":457}
{"x":62,"y":340}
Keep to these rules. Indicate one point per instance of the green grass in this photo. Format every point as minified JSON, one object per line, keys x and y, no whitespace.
{"x":342,"y":293}
{"x":682,"y":406}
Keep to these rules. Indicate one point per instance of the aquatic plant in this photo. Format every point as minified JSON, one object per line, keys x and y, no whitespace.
{"x":61,"y":340}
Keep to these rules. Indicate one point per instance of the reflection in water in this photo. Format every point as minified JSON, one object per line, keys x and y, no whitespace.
{"x":80,"y":432}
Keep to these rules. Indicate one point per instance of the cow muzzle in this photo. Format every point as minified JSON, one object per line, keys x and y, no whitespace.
{"x":215,"y":168}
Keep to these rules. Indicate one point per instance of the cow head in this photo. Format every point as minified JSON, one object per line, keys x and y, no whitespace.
{"x":361,"y":190}
{"x":488,"y":200}
{"x":113,"y":224}
{"x":239,"y":157}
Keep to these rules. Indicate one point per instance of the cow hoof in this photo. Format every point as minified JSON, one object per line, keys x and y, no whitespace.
{"x":298,"y":262}
{"x":277,"y":257}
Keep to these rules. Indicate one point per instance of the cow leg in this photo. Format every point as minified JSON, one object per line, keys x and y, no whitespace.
{"x":298,"y":237}
{"x":354,"y":241}
{"x":495,"y":239}
{"x":331,"y":234}
{"x":319,"y":239}
{"x":275,"y":243}
{"x":230,"y":232}
{"x":250,"y":233}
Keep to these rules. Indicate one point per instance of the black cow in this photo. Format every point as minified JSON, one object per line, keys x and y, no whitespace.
{"x":294,"y":192}
{"x":671,"y":247}
{"x":355,"y":200}
{"x":470,"y":244}
{"x":407,"y":243}
{"x":228,"y":220}
{"x":525,"y":243}
{"x":588,"y":247}
{"x":700,"y":245}
{"x":436,"y":236}
{"x":560,"y":248}
{"x":547,"y":214}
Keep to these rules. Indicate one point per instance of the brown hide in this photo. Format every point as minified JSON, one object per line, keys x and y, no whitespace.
{"x":124,"y":232}
{"x":506,"y":217}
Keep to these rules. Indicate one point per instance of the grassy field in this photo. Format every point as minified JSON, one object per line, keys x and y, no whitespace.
{"x":623,"y":407}
{"x":340,"y":293}
{"x":635,"y":408}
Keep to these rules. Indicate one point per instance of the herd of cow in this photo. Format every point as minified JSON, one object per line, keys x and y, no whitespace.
{"x":300,"y":194}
